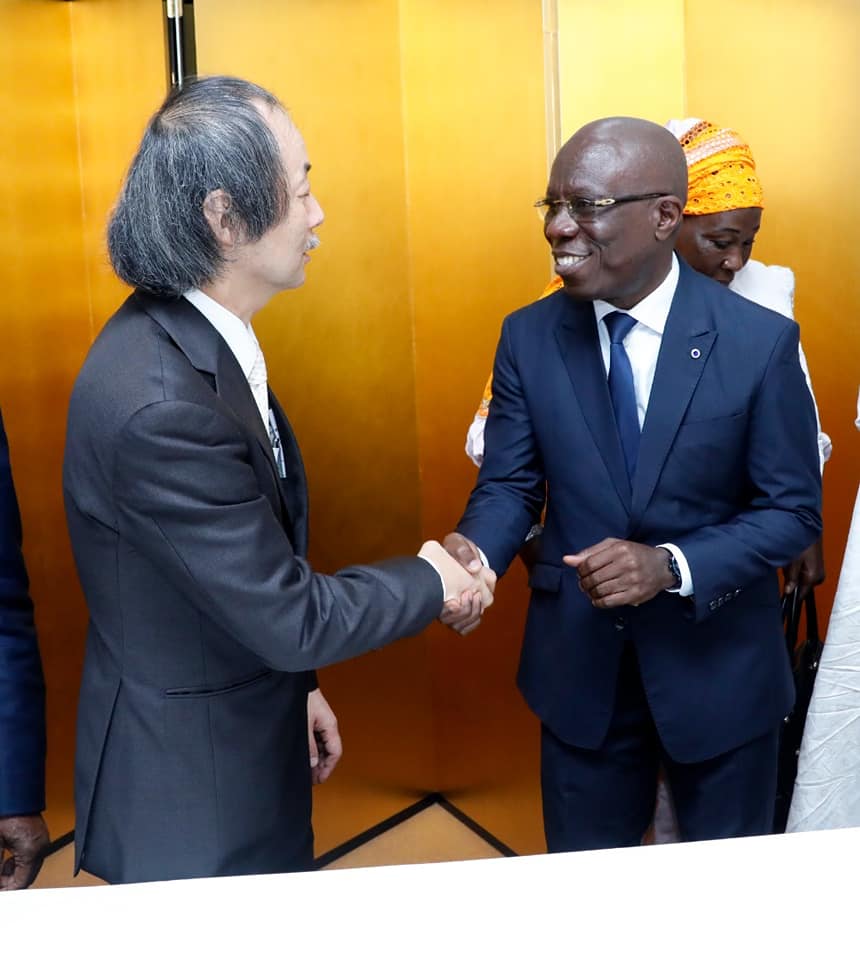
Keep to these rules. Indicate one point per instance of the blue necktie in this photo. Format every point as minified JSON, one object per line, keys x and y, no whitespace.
{"x":621,"y":388}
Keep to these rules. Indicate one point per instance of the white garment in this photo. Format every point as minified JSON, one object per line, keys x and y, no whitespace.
{"x":475,"y":439}
{"x":769,"y":286}
{"x":827,"y":788}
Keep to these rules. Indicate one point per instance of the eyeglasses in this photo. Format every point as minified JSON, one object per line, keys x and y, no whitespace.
{"x":585,"y":210}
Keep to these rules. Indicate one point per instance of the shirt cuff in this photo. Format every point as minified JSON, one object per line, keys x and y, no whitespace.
{"x":686,"y":588}
{"x":825,"y":448}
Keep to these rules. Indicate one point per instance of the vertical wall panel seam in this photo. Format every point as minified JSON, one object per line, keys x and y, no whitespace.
{"x":684,"y":90}
{"x":410,"y":266}
{"x":552,"y":92}
{"x":552,"y":99}
{"x":80,"y":154}
{"x":435,"y":773}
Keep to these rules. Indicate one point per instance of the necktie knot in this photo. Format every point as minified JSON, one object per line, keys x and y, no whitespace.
{"x":619,"y":325}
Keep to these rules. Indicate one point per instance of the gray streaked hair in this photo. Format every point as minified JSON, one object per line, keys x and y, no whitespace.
{"x":208,"y":136}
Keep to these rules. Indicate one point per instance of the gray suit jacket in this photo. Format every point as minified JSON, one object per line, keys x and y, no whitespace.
{"x":192,"y":756}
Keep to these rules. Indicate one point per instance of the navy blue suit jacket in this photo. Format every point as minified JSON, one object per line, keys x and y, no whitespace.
{"x":728,"y":471}
{"x":22,"y":690}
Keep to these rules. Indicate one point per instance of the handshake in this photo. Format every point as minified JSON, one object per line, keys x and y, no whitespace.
{"x":468,"y":583}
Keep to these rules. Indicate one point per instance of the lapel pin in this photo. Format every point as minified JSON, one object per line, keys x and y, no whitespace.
{"x":695,"y":353}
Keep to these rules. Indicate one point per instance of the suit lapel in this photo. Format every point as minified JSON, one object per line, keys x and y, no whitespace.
{"x":687,"y":341}
{"x":580,"y":350}
{"x":294,"y":488}
{"x":207,"y":352}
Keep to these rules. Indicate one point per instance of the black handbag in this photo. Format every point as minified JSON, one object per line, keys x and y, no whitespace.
{"x":804,"y":655}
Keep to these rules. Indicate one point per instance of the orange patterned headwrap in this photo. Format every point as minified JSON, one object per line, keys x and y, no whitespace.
{"x":720,"y":168}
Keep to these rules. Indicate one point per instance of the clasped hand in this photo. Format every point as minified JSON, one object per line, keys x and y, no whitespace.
{"x":469,"y":585}
{"x":24,"y":839}
{"x":617,"y":573}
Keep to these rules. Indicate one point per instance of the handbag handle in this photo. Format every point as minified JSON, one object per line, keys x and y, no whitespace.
{"x":792,"y":608}
{"x":812,"y":634}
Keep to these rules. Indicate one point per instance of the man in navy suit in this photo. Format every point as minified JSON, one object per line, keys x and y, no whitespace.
{"x":663,"y":424}
{"x":23,"y":834}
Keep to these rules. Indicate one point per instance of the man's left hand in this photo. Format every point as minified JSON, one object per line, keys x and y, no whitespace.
{"x":618,"y":573}
{"x":806,"y":572}
{"x":25,"y":839}
{"x":324,"y":740}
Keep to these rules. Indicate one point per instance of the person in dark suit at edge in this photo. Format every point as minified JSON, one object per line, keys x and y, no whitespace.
{"x":665,"y":424}
{"x":186,"y":504}
{"x":23,"y":833}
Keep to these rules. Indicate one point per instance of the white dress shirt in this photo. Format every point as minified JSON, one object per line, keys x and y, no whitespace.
{"x":643,"y":347}
{"x":643,"y":342}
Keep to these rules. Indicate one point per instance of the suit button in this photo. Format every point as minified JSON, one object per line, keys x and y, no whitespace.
{"x":620,"y":623}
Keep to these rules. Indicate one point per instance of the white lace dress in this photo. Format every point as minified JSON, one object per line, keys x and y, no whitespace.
{"x":827,"y":788}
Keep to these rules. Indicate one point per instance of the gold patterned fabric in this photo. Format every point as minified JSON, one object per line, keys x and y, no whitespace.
{"x":720,"y":166}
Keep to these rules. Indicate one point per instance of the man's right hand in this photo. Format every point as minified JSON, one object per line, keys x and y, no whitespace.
{"x":467,"y":592}
{"x":463,"y":615}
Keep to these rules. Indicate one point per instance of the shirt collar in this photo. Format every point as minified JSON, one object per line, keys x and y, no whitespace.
{"x":239,"y":338}
{"x":653,"y":310}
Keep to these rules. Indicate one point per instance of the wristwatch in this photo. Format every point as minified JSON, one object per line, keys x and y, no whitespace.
{"x":674,"y":569}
